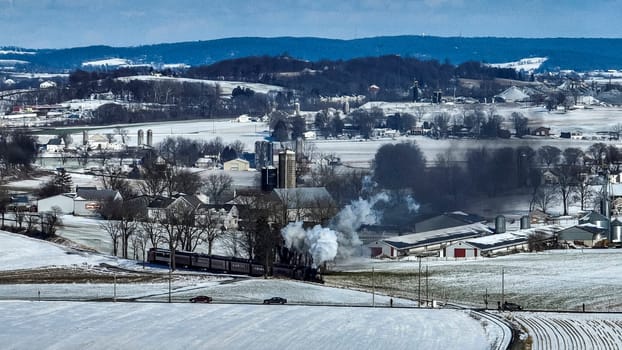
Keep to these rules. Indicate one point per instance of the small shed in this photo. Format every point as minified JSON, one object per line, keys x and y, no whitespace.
{"x":236,"y":165}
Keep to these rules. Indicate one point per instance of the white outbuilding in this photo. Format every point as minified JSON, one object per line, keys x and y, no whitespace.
{"x":63,"y":201}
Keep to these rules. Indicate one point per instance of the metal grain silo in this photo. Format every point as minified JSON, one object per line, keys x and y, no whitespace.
{"x":150,"y":138}
{"x":141,"y":137}
{"x":500,"y":224}
{"x":616,"y":231}
{"x":525,"y":222}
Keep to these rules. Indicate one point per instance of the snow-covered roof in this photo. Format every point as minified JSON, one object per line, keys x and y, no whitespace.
{"x":512,"y":238}
{"x":513,"y":94}
{"x":438,"y":236}
{"x":525,"y":64}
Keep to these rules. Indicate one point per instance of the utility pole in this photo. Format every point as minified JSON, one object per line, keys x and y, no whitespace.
{"x":170,"y":269}
{"x":114,"y":298}
{"x":502,"y":286}
{"x":419,"y":276}
{"x":373,"y":288}
{"x":427,"y":299}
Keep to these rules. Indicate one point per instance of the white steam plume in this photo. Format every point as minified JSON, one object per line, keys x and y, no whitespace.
{"x":320,"y":242}
{"x":413,"y":206}
{"x":341,"y":239}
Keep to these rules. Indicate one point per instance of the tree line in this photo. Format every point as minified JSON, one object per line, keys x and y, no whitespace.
{"x":550,"y":175}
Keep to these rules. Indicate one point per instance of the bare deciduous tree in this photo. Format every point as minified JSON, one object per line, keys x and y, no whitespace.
{"x":216,"y":185}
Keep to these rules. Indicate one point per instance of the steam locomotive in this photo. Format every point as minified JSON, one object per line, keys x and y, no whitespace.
{"x":231,"y":265}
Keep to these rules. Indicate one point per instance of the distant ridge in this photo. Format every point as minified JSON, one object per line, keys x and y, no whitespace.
{"x":580,"y":54}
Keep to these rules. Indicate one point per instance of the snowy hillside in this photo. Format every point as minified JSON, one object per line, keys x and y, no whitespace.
{"x":111,"y":62}
{"x":528,"y":65}
{"x":20,"y":252}
{"x":226,"y":86}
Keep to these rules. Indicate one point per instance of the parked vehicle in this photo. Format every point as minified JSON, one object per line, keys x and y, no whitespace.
{"x":511,"y":307}
{"x":275,"y":300}
{"x":201,"y":299}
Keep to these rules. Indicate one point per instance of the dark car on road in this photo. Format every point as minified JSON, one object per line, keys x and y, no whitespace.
{"x":201,"y":299}
{"x":511,"y":307}
{"x":275,"y":300}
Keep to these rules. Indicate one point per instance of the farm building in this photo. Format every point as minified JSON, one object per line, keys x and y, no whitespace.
{"x":502,"y":243}
{"x":160,"y":206}
{"x":585,"y":235}
{"x":426,"y":242}
{"x":88,"y":201}
{"x":63,"y":201}
{"x":85,"y":202}
{"x":236,"y":165}
{"x":55,"y":145}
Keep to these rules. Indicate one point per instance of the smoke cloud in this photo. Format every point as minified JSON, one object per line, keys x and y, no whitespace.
{"x":320,"y":242}
{"x":340,"y":239}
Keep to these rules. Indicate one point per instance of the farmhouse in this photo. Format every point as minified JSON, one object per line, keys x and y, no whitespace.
{"x":159,"y":206}
{"x":541,"y":131}
{"x":226,"y":216}
{"x":426,"y":242}
{"x":55,"y":145}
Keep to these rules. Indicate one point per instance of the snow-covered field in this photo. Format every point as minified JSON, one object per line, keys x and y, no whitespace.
{"x":21,"y":252}
{"x":67,"y":325}
{"x":222,"y":325}
{"x":359,"y":153}
{"x":556,"y":280}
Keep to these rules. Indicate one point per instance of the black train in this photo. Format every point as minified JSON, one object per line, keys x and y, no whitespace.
{"x":232,"y":265}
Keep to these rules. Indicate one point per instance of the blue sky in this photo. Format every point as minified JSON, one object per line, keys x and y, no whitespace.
{"x":69,"y":23}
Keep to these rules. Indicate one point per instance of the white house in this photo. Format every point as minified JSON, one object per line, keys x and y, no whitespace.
{"x":244,"y":118}
{"x":158,"y":208}
{"x":309,"y":135}
{"x":55,"y":145}
{"x":204,"y":162}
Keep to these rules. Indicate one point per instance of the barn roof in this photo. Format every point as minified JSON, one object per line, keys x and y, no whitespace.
{"x":447,"y":220}
{"x":95,"y":195}
{"x":422,"y":239}
{"x":509,"y":239}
